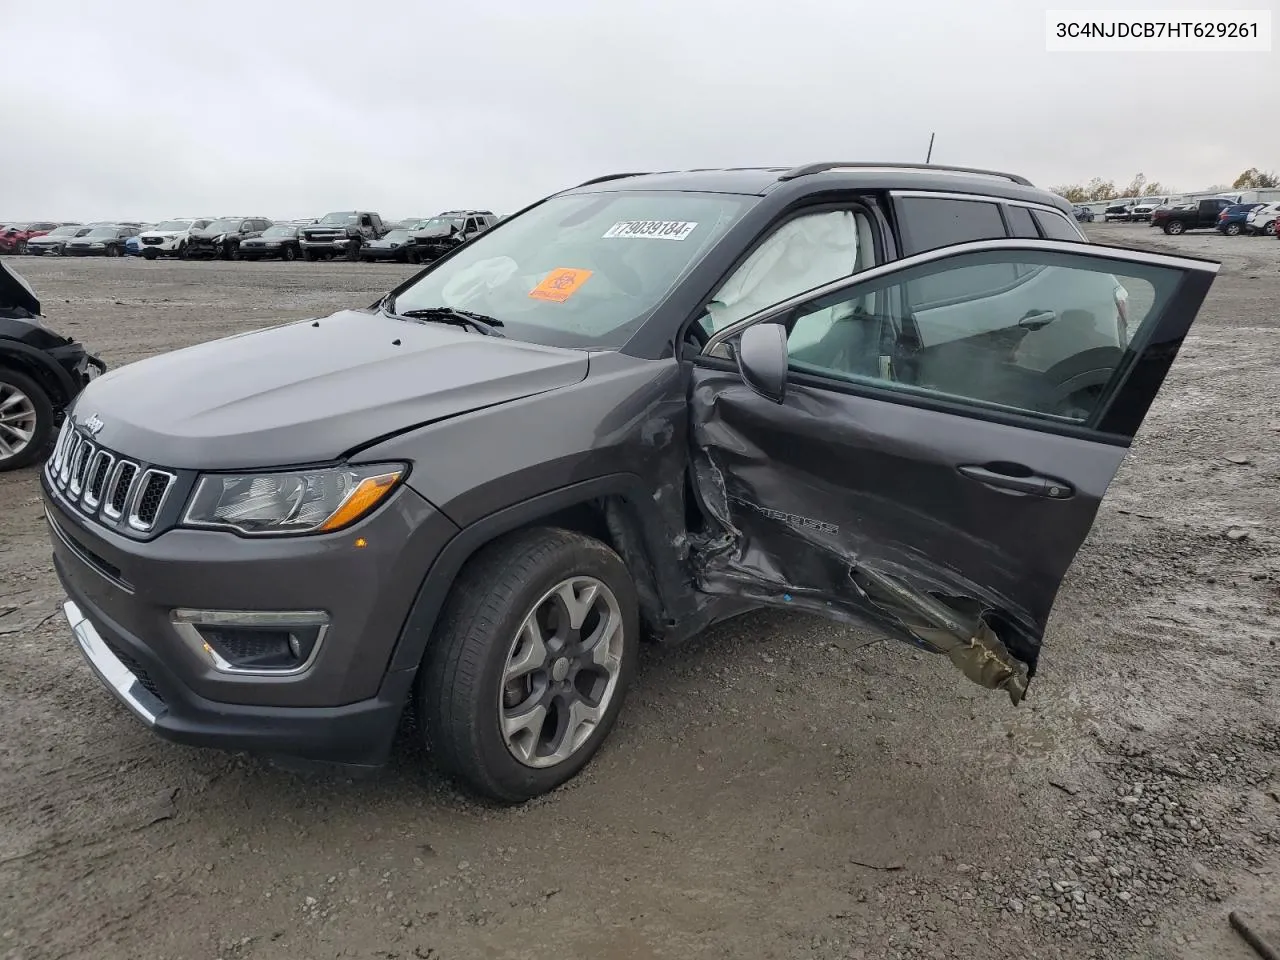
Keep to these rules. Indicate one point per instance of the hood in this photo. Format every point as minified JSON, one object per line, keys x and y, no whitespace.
{"x":432,"y":232}
{"x":312,"y":390}
{"x":47,"y":238}
{"x":15,"y":292}
{"x":164,"y":234}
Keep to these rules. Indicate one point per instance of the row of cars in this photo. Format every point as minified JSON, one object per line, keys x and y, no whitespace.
{"x":1226,"y":214}
{"x":344,"y":234}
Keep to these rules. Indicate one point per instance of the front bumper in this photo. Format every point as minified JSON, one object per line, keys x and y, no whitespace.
{"x":37,"y":249}
{"x":251,"y":251}
{"x":385,"y":253}
{"x":327,"y":246}
{"x":70,"y":250}
{"x":167,"y":245}
{"x":343,"y":708}
{"x":199,"y":247}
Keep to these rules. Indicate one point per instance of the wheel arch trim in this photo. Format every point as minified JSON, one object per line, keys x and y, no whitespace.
{"x":420,"y":622}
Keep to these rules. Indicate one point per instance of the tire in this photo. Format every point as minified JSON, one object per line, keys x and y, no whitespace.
{"x":288,"y":253}
{"x":462,"y":694}
{"x":309,"y":256}
{"x":1174,"y":227}
{"x":21,"y":249}
{"x":114,"y":251}
{"x":182,"y":250}
{"x":353,"y":251}
{"x":150,"y":254}
{"x":39,"y":424}
{"x":1232,"y":230}
{"x":414,"y":256}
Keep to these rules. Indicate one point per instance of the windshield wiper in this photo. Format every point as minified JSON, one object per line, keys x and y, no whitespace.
{"x":463,"y":318}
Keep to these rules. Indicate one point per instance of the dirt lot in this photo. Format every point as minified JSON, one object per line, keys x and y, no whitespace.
{"x":781,"y":788}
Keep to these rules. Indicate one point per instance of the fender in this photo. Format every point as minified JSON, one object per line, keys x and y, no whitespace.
{"x":422,"y":616}
{"x":31,"y":357}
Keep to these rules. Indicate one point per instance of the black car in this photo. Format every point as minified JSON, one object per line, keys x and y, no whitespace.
{"x":56,"y":240}
{"x":104,"y":241}
{"x":222,"y":238}
{"x":890,"y":394}
{"x":398,"y":245}
{"x":1082,"y":213}
{"x":278,"y":240}
{"x":41,"y":373}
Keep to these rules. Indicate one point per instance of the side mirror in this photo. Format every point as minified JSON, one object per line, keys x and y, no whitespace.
{"x":762,"y":360}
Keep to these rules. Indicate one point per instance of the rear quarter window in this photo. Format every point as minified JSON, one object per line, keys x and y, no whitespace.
{"x":928,"y":223}
{"x":1020,"y":223}
{"x":1056,"y":226}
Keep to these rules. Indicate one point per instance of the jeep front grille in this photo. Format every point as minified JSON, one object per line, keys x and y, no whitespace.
{"x":104,"y":485}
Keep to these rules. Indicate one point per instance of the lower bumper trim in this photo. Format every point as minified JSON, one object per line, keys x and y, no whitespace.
{"x":109,"y":668}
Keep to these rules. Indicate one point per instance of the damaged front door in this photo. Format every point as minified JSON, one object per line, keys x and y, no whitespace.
{"x":946,"y":428}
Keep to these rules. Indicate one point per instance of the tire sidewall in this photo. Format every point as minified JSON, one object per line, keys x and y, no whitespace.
{"x":503,"y":774}
{"x":45,"y":416}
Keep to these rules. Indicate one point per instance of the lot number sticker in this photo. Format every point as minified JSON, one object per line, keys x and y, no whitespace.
{"x":560,"y":284}
{"x":650,"y":230}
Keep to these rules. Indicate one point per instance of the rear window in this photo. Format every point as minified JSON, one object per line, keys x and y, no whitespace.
{"x":1020,"y":222}
{"x":931,"y":222}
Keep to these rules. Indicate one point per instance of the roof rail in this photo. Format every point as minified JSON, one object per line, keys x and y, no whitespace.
{"x":611,"y":176}
{"x":812,"y":168}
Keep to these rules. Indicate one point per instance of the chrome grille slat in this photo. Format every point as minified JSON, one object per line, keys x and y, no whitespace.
{"x":96,"y":477}
{"x":112,"y":489}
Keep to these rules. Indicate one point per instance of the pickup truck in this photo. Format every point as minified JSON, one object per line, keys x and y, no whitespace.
{"x":343,"y":233}
{"x":1197,"y":215}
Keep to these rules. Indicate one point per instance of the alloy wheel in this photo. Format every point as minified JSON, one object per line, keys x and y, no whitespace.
{"x":561,"y":672}
{"x":17,"y":421}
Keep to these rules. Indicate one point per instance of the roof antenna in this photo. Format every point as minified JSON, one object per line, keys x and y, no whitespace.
{"x":930,"y":153}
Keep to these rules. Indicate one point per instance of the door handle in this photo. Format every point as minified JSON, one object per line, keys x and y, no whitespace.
{"x":1037,"y":319}
{"x":1013,"y":476}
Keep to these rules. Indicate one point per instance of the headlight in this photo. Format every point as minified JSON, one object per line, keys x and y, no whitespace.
{"x":296,"y":501}
{"x":219,"y":238}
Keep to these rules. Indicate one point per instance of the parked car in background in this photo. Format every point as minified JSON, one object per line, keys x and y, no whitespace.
{"x":440,"y":234}
{"x":1193,"y":215}
{"x":1145,"y":206}
{"x":1264,"y":219}
{"x":342,"y":233}
{"x":1081,"y":213}
{"x":168,"y":238}
{"x":104,"y":241}
{"x":15,"y":237}
{"x":52,"y":242}
{"x":1233,"y":219}
{"x":400,"y":245}
{"x":41,"y":373}
{"x":1120,"y":209}
{"x":279,"y":240}
{"x":221,"y":239}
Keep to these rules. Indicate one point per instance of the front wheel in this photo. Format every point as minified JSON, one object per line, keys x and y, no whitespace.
{"x":26,"y":420}
{"x":353,"y":251}
{"x":1232,"y":230}
{"x":529,"y":663}
{"x":150,"y":254}
{"x":1174,"y":228}
{"x":113,"y":251}
{"x":288,"y":253}
{"x":309,"y":256}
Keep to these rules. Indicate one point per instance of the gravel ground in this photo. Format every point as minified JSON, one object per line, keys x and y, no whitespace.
{"x":780,"y":788}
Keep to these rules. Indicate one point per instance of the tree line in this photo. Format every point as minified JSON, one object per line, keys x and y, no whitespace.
{"x":1099,"y":189}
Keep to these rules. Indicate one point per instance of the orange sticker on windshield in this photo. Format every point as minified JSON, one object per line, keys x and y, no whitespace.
{"x":560,"y":284}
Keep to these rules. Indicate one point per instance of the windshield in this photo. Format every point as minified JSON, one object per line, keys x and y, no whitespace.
{"x":99,"y":232}
{"x":223,"y":226}
{"x":339,"y":218}
{"x":280,"y":231}
{"x":581,"y":270}
{"x":438,"y":223}
{"x":172,"y":225}
{"x":16,"y":227}
{"x":397,"y":236}
{"x":65,"y":231}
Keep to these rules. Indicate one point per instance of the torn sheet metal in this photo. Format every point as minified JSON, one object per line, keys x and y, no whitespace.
{"x":787,"y":528}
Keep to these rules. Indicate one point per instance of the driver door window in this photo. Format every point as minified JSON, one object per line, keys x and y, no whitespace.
{"x":1032,"y":332}
{"x":805,"y":252}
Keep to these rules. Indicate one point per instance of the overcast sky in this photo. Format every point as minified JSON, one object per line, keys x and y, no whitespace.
{"x":282,"y":108}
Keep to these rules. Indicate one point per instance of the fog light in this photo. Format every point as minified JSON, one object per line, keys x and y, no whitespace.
{"x":266,"y":643}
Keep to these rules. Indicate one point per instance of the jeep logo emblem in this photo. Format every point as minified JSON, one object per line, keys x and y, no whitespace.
{"x":94,"y":424}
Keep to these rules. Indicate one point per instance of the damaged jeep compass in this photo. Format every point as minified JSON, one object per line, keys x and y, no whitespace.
{"x":886,"y":394}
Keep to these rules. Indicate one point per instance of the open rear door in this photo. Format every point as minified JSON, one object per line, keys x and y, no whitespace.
{"x":935,"y":452}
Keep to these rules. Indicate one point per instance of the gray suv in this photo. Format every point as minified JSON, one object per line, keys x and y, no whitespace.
{"x":887,"y":394}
